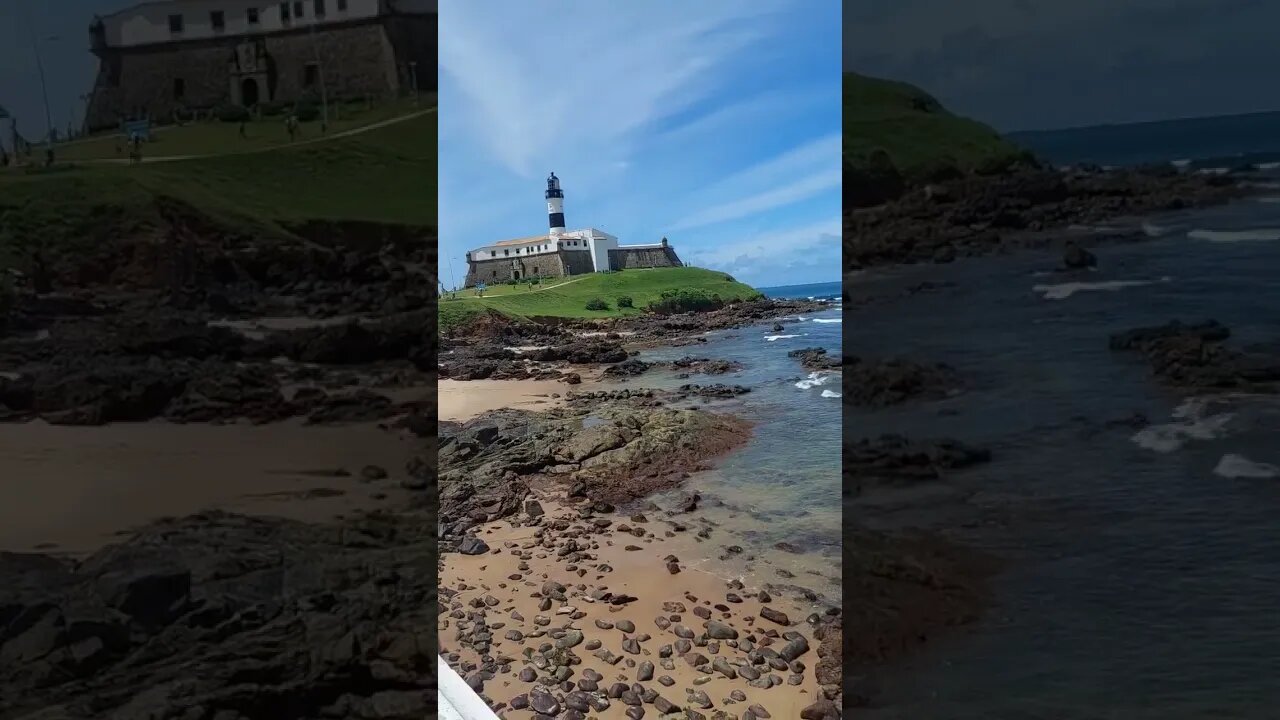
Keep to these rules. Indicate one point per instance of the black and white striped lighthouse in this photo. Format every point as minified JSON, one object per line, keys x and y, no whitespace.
{"x":555,"y":205}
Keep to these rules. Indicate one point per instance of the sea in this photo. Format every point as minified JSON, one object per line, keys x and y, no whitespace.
{"x":783,"y":486}
{"x":1143,"y":576}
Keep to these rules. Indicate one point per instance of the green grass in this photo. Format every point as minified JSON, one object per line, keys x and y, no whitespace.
{"x":568,"y":300}
{"x":213,"y":137}
{"x":387,"y":175}
{"x":914,"y":129}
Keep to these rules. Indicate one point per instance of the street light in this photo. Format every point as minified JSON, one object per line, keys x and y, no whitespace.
{"x":452,"y":280}
{"x":44,"y":88}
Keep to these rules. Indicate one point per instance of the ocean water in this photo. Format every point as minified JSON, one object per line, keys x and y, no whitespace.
{"x":784,"y":484}
{"x":1144,"y":565}
{"x":1203,"y":143}
{"x":810,"y":291}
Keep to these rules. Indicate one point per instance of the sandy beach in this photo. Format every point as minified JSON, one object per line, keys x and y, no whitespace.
{"x":629,"y":642}
{"x":461,"y":400}
{"x":73,"y":490}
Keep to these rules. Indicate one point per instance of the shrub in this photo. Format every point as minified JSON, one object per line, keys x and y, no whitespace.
{"x":597,"y":304}
{"x":513,"y":281}
{"x":233,"y":113}
{"x":685,"y":300}
{"x":625,"y":301}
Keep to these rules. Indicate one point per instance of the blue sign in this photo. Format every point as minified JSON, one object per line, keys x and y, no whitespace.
{"x":141,"y":128}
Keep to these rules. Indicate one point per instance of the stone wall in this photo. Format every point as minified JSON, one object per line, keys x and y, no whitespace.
{"x":631,"y":258}
{"x":413,"y":38}
{"x":359,"y":59}
{"x":493,"y":272}
{"x":576,"y":262}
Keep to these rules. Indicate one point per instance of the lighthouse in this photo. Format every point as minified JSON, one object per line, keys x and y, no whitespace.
{"x":555,"y":205}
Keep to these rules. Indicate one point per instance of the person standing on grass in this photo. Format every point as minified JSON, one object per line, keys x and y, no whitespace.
{"x":291,"y":124}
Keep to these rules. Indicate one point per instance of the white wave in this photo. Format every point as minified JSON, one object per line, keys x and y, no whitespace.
{"x":828,"y":320}
{"x":829,"y":393}
{"x":1172,"y":436}
{"x":1239,"y":466}
{"x":1181,"y":163}
{"x":1214,"y":171}
{"x":772,"y":338}
{"x":1063,"y":291}
{"x":1268,"y":165}
{"x":1225,"y":236}
{"x":814,"y":380}
{"x":1153,"y":230}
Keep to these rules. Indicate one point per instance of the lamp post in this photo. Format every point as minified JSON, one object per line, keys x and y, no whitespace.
{"x":413,"y":79}
{"x":44,"y":87}
{"x":452,"y":280}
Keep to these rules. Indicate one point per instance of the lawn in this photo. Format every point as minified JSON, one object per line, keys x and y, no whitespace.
{"x":213,"y":137}
{"x":569,"y":300}
{"x":914,"y":128}
{"x":387,"y":175}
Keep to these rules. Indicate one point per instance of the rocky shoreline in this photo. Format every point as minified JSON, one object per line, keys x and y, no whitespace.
{"x":981,"y":215}
{"x":222,"y":615}
{"x":909,"y":585}
{"x":555,"y":551}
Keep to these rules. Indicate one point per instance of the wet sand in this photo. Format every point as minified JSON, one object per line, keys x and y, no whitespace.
{"x":462,"y":400}
{"x":74,"y":489}
{"x":636,"y":567}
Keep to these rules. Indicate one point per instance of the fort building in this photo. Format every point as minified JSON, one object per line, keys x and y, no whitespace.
{"x":160,"y":58}
{"x":561,"y":252}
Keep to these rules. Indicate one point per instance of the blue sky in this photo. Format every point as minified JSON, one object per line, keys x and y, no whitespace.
{"x":62,"y":31}
{"x":1033,"y":64}
{"x":714,"y":123}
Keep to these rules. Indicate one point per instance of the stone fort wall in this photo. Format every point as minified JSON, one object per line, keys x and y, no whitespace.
{"x":565,"y":263}
{"x":632,"y":258}
{"x":359,"y":59}
{"x":562,"y":263}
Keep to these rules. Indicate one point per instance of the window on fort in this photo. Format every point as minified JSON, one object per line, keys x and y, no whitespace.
{"x":218,"y":19}
{"x":175,"y":23}
{"x":284,"y":12}
{"x":252,"y":15}
{"x":319,"y":8}
{"x":299,"y":9}
{"x":311,"y":75}
{"x":342,"y":5}
{"x":179,"y":88}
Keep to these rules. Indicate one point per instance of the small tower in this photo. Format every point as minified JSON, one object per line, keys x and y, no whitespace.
{"x":555,"y":205}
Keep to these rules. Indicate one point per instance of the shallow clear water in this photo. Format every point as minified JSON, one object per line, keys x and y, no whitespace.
{"x":784,"y":484}
{"x":1141,"y":584}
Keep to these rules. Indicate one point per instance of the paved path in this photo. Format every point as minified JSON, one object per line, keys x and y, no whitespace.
{"x":272,"y":148}
{"x":529,"y":292}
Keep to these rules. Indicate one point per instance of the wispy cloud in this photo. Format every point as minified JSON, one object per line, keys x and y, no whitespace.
{"x":532,"y":102}
{"x":795,"y":175}
{"x":775,"y":249}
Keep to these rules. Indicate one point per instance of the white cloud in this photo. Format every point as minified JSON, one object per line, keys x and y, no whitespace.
{"x":798,"y":174}
{"x":777,"y":249}
{"x":618,"y":67}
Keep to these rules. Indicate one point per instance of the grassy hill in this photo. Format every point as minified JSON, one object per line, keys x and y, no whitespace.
{"x":918,"y":134}
{"x":386,"y":175}
{"x":569,"y":299}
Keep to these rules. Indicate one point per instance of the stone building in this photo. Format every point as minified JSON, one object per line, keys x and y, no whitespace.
{"x":560,"y":252}
{"x":157,"y":58}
